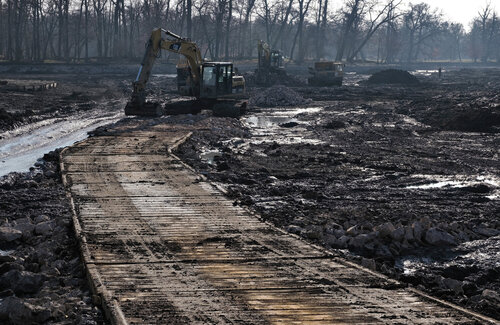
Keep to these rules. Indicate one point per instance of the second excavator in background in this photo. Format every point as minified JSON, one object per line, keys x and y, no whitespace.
{"x":214,"y":84}
{"x":270,"y":64}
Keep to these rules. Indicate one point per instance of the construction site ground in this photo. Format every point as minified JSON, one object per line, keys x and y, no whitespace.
{"x":278,"y":206}
{"x":163,"y":245}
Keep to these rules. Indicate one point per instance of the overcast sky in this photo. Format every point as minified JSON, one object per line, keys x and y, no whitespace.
{"x":462,"y":11}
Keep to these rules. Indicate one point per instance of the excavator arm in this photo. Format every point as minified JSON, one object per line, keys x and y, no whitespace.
{"x":154,"y":45}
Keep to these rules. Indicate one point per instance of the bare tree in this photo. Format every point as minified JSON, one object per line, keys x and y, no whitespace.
{"x":421,"y":24}
{"x":352,"y":12}
{"x":377,"y":18}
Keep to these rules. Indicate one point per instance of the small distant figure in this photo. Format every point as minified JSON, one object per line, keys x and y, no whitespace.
{"x":440,"y":72}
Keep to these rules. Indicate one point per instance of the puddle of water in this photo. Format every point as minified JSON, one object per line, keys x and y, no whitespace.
{"x":280,"y":125}
{"x":268,"y":121}
{"x":426,"y":73}
{"x":6,"y":253}
{"x":164,"y":75}
{"x":353,"y":78}
{"x":209,"y":156}
{"x":459,"y":181}
{"x":483,"y":252}
{"x":19,"y":150}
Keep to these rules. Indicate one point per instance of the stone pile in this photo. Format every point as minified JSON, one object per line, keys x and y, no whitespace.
{"x":388,"y":241}
{"x":41,"y":275}
{"x":278,"y":96}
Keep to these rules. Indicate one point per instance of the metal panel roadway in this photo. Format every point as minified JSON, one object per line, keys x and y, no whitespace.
{"x":162,"y":245}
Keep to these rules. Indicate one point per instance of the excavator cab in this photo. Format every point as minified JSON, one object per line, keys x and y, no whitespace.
{"x":216,"y":79}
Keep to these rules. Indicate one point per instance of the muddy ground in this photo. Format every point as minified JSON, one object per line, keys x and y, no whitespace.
{"x":42,"y":279}
{"x":401,"y":179}
{"x":404,"y":180}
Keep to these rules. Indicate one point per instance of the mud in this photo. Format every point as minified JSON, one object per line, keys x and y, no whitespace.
{"x":401,"y":179}
{"x":42,"y":279}
{"x":384,"y":174}
{"x":392,"y":76}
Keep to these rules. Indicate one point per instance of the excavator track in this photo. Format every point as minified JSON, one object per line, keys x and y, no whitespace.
{"x":162,"y":245}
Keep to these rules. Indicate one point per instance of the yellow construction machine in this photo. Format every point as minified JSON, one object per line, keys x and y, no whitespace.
{"x":326,"y":73}
{"x":214,"y":84}
{"x":270,"y":63}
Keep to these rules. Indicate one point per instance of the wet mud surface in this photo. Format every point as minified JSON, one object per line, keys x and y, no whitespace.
{"x":42,"y":279}
{"x":404,"y":180}
{"x":401,"y":179}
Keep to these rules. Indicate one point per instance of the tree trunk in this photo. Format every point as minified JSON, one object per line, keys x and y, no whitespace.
{"x":228,"y":26}
{"x":189,"y":27}
{"x":86,"y":30}
{"x":344,"y":37}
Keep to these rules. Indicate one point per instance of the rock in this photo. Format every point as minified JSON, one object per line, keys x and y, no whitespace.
{"x":7,"y":266}
{"x":50,"y":174}
{"x":409,"y":234}
{"x":438,"y":237}
{"x":359,"y":241}
{"x":18,"y":311}
{"x":383,"y":251}
{"x":26,"y":229}
{"x":21,"y":281}
{"x":41,"y":218}
{"x":490,"y":295}
{"x":6,"y":258}
{"x":314,"y":232}
{"x":332,"y":228}
{"x":342,"y":241}
{"x":44,"y":228}
{"x":369,"y":263}
{"x":385,"y":230}
{"x":485,"y":231}
{"x":454,"y":285}
{"x":470,"y":288}
{"x":352,"y":231}
{"x":23,"y":220}
{"x":398,"y":234}
{"x":8,"y":234}
{"x":417,"y":230}
{"x":294,"y":229}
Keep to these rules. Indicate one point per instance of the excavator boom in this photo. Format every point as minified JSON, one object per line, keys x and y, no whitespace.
{"x":177,"y":44}
{"x":209,"y":82}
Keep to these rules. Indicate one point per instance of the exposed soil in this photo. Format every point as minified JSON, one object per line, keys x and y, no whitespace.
{"x":42,"y":279}
{"x":393,"y":76}
{"x":401,"y":179}
{"x":72,"y":94}
{"x":388,"y":173}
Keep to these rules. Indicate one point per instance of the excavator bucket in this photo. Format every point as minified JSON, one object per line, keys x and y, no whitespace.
{"x":146,"y":109}
{"x":229,"y":108}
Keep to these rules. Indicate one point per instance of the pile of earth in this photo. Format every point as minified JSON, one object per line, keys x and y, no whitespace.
{"x":42,"y":279}
{"x":277,"y":95}
{"x":282,"y":78}
{"x":393,"y":76}
{"x":477,"y":112}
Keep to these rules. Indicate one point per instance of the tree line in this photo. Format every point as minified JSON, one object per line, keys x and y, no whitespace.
{"x":383,"y":31}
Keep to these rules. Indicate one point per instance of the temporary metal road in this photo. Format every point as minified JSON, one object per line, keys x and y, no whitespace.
{"x":162,"y":245}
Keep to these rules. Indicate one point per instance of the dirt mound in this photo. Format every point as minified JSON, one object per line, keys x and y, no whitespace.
{"x":277,"y":96}
{"x":393,"y":76}
{"x":252,"y":80}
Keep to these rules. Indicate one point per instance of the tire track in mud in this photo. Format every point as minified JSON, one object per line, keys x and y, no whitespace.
{"x":162,"y":245}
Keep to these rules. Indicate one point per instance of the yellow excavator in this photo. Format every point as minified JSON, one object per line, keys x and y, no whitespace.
{"x":270,"y":63}
{"x":214,"y":84}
